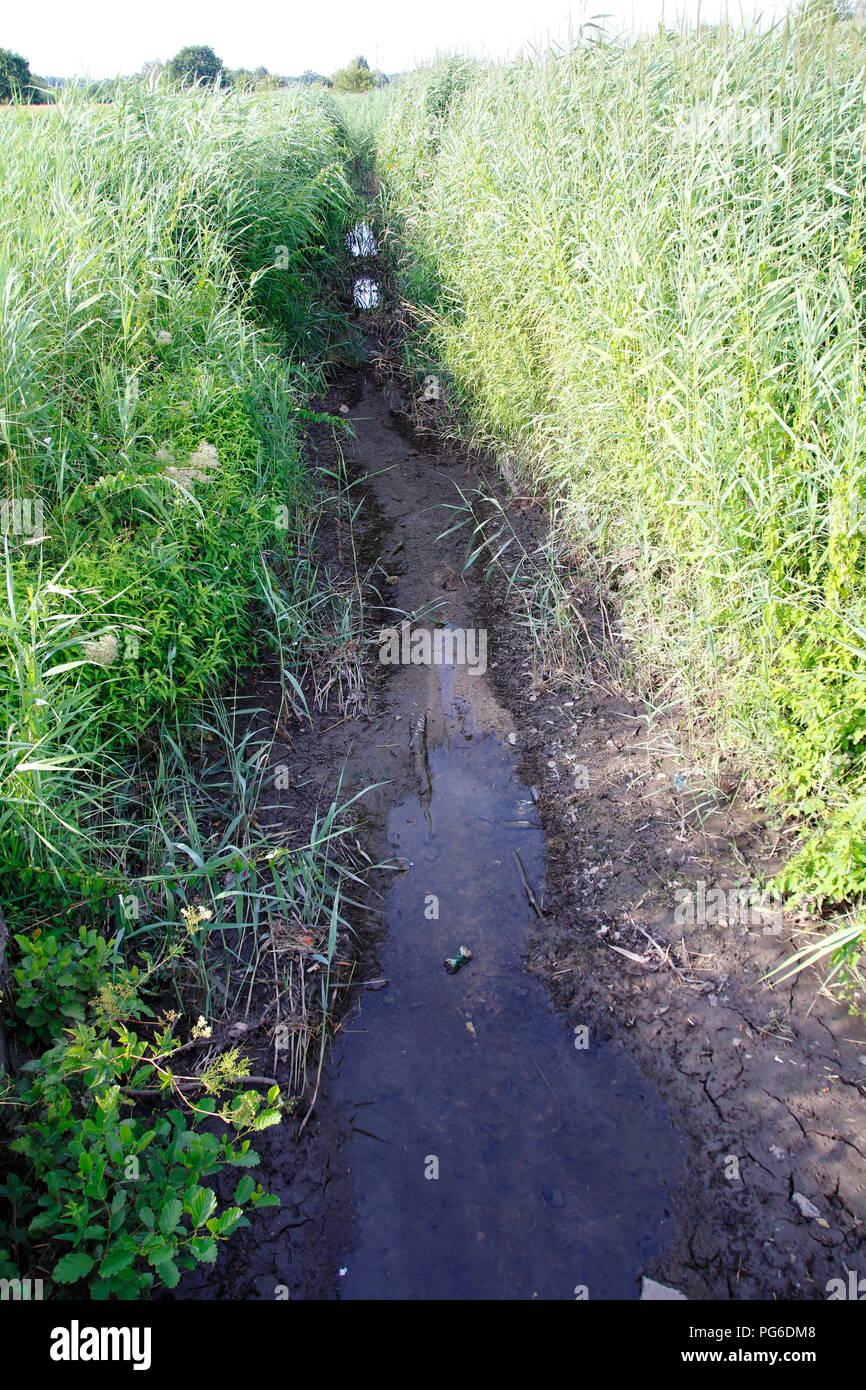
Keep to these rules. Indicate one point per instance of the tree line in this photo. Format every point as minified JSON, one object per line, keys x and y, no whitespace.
{"x":196,"y":65}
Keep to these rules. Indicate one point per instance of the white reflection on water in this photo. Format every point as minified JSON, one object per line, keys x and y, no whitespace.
{"x":366,"y":293}
{"x":361,"y":241}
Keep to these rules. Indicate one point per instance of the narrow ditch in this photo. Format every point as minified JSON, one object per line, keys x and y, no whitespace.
{"x":472,"y":1140}
{"x":466,"y":1143}
{"x":492,"y":1153}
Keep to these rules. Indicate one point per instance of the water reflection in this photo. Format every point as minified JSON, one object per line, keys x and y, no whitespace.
{"x":361,"y":241}
{"x":493,"y":1157}
{"x":366,"y":293}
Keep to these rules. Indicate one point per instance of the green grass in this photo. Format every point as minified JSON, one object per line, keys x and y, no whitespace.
{"x":168,"y":275}
{"x":146,"y":412}
{"x":641,"y":268}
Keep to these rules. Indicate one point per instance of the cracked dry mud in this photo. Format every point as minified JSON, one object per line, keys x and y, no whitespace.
{"x":559,"y":1169}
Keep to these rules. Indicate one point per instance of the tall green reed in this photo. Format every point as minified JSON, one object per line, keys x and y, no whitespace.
{"x":641,"y":266}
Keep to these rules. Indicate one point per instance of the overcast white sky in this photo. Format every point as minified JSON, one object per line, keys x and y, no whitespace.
{"x":105,"y":37}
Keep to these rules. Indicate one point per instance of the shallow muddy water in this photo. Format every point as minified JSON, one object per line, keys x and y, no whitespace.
{"x":494,"y":1155}
{"x":467,"y":1143}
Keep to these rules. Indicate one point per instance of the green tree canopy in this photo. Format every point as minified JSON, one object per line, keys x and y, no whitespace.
{"x":16,"y":79}
{"x":241,"y":78}
{"x":357,"y":77}
{"x":196,"y":64}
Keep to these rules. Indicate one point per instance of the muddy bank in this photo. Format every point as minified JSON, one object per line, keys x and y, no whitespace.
{"x":766,"y":1084}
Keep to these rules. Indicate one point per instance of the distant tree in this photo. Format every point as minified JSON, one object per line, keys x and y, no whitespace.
{"x":196,"y":65}
{"x":16,"y":79}
{"x":258,"y":80}
{"x":357,"y":77}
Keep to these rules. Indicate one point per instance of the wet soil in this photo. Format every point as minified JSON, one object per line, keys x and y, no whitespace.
{"x":765,"y":1084}
{"x":471,"y":1140}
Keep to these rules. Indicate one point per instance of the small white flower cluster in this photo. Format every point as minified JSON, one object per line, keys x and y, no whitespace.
{"x":198,"y":467}
{"x":164,"y":338}
{"x":104,"y":651}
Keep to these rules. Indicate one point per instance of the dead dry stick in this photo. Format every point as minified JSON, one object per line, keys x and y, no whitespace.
{"x":195,"y":1084}
{"x":629,"y":955}
{"x":539,"y":911}
{"x":666,"y":959}
{"x":551,"y":1090}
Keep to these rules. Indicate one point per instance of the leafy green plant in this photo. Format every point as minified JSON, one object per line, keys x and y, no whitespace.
{"x":160,"y":343}
{"x":153,"y":430}
{"x":56,"y":975}
{"x":121,"y":1200}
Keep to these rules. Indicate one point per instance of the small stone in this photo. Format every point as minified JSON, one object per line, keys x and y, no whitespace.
{"x":805,"y":1207}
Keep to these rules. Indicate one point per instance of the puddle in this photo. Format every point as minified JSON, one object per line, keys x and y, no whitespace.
{"x":552,"y":1161}
{"x":361,"y":241}
{"x":366,"y":293}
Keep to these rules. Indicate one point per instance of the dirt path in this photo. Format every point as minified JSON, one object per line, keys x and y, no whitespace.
{"x":470,"y":1142}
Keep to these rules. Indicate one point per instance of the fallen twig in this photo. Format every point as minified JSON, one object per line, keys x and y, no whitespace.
{"x":539,"y":911}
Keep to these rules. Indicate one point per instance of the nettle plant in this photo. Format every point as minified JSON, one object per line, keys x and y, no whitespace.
{"x":112,"y":1201}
